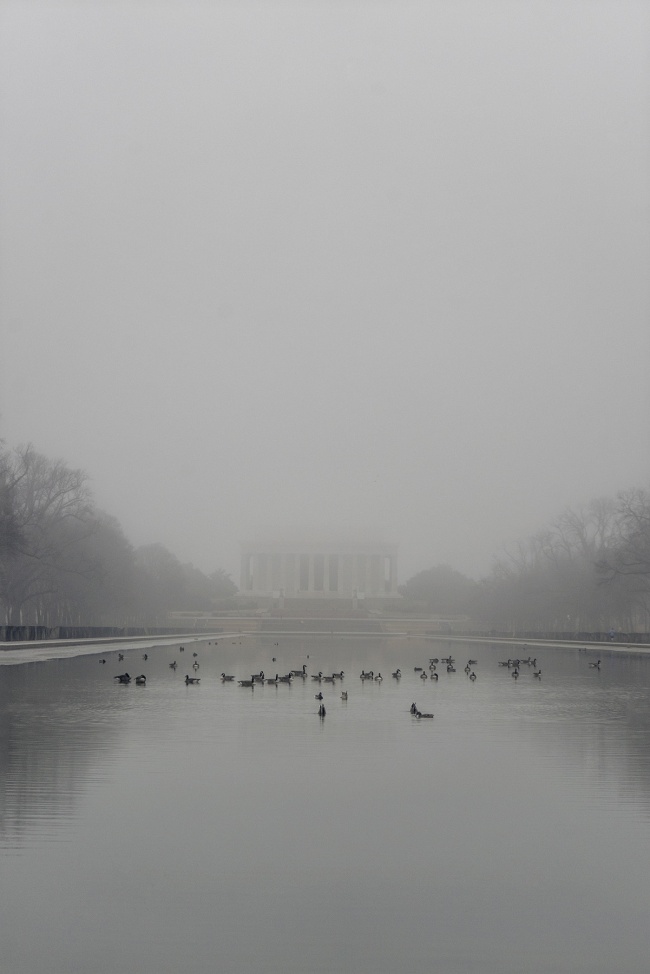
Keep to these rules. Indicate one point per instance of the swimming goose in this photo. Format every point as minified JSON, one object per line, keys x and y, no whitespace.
{"x":318,"y":696}
{"x":472,"y":675}
{"x":434,"y":676}
{"x":284,"y":679}
{"x":420,"y":716}
{"x":302,"y":672}
{"x":397,"y":674}
{"x":423,"y":676}
{"x":538,"y":674}
{"x":123,"y":677}
{"x":243,"y":683}
{"x":317,"y":676}
{"x":338,"y":676}
{"x":192,"y":679}
{"x":120,"y":656}
{"x":173,"y":665}
{"x":141,"y":680}
{"x":144,"y":656}
{"x":344,"y":695}
{"x":226,"y":678}
{"x":321,"y":710}
{"x":378,"y":678}
{"x":414,"y":708}
{"x":102,"y":661}
{"x":595,"y":666}
{"x":328,"y":679}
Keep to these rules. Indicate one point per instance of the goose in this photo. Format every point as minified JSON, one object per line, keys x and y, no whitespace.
{"x":338,"y":676}
{"x":258,"y":677}
{"x":434,"y":676}
{"x":321,"y":710}
{"x":423,"y":676}
{"x":378,"y":678}
{"x":432,"y":666}
{"x":472,"y":675}
{"x":141,"y":680}
{"x":102,"y":661}
{"x":595,"y":666}
{"x":181,"y":649}
{"x":434,"y":659}
{"x":302,"y":672}
{"x":538,"y":674}
{"x":397,"y":674}
{"x":273,"y":680}
{"x":414,"y":708}
{"x":242,"y":683}
{"x":144,"y":656}
{"x":317,"y":676}
{"x":367,"y":674}
{"x":195,"y":655}
{"x":328,"y":679}
{"x":123,"y":677}
{"x":195,"y":666}
{"x":284,"y":679}
{"x":515,"y":674}
{"x":318,"y":696}
{"x":417,"y":669}
{"x":192,"y":679}
{"x":344,"y":695}
{"x":450,"y":668}
{"x":120,"y":656}
{"x":225,"y":678}
{"x":471,"y":662}
{"x":420,"y":716}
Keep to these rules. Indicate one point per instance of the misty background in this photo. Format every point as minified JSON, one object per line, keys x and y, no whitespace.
{"x":368,"y":266}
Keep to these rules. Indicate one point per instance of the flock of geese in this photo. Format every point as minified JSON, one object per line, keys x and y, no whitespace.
{"x":513,"y":665}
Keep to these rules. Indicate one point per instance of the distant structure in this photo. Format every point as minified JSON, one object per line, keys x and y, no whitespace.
{"x":279,"y":568}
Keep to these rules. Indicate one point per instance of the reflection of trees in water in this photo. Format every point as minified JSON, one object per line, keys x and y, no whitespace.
{"x":597,"y":722}
{"x":53,"y":722}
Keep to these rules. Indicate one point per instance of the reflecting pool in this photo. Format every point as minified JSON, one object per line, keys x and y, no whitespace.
{"x":216,"y":828}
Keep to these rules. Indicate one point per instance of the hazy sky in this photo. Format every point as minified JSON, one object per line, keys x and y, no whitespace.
{"x":337,"y":263}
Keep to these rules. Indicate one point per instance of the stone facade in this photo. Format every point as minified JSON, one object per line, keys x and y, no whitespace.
{"x":319,"y":569}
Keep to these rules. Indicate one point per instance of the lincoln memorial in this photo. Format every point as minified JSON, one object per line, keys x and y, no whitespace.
{"x":273,"y":568}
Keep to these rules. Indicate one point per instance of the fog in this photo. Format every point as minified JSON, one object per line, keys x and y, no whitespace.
{"x":364,"y":265}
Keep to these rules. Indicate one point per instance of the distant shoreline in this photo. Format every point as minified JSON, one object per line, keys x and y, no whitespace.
{"x":15,"y":653}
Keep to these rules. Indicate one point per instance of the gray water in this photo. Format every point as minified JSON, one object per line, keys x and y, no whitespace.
{"x":212,"y":828}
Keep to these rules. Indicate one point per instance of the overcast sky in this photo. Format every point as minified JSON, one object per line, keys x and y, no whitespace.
{"x":329,"y":263}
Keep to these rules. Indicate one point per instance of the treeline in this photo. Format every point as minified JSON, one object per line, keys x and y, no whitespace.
{"x":587,"y":572}
{"x":63,"y":562}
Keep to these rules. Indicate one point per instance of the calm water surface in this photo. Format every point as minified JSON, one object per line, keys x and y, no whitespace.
{"x":212,"y":828}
